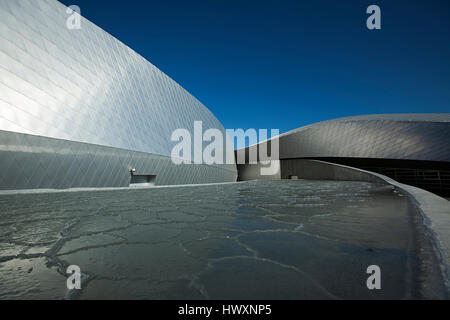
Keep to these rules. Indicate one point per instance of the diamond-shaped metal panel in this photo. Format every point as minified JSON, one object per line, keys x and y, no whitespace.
{"x":86,"y":86}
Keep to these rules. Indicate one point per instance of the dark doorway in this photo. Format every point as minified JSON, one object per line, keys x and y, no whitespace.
{"x":144,"y":180}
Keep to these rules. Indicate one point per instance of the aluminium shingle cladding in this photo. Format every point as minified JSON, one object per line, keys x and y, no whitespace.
{"x":33,"y":162}
{"x":86,"y":86}
{"x":389,"y":136}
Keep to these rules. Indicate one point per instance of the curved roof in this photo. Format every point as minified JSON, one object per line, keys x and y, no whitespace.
{"x":402,"y":117}
{"x":384,"y":136}
{"x":434,"y":117}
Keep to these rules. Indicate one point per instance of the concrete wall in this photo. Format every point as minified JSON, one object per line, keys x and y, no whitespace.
{"x":253,"y":172}
{"x":305,"y":169}
{"x":434,"y":209}
{"x":320,"y":170}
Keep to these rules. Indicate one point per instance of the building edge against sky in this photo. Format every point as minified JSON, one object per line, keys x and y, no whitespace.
{"x":410,"y":148}
{"x":78,"y":108}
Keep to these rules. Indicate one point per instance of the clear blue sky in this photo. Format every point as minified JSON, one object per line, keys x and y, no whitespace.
{"x":284,"y":64}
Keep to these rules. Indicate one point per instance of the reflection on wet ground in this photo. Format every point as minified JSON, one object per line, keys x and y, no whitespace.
{"x":251,"y":240}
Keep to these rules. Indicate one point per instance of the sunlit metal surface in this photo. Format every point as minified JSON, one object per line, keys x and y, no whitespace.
{"x":395,"y":136}
{"x":86,"y":86}
{"x":379,"y":136}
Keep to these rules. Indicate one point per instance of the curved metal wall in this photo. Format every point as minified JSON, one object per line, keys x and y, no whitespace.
{"x":406,"y":137}
{"x":86,"y":86}
{"x":33,"y":162}
{"x":364,"y":139}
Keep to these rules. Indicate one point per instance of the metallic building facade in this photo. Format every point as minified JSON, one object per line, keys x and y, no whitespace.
{"x":410,"y":148}
{"x":78,"y":108}
{"x":423,"y":137}
{"x":389,"y":136}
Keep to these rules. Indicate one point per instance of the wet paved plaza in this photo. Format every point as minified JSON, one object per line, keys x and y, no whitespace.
{"x":250,"y":240}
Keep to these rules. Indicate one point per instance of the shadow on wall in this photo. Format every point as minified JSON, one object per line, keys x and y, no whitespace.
{"x":305,"y":169}
{"x":428,"y":175}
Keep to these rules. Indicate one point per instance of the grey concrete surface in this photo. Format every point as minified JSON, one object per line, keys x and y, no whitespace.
{"x":248,"y":172}
{"x":435,"y":210}
{"x":251,"y":240}
{"x":320,"y":170}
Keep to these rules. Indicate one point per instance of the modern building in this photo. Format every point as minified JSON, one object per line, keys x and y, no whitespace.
{"x":410,"y":148}
{"x":78,"y":108}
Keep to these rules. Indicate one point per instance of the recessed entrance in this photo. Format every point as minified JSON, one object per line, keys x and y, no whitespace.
{"x":142,"y":180}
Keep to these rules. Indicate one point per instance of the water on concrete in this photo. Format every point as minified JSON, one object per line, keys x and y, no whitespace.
{"x":250,"y":240}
